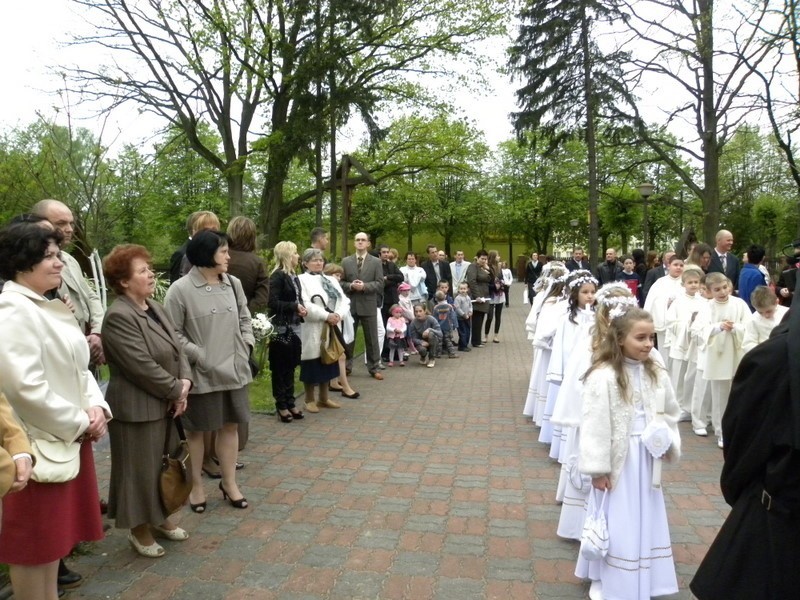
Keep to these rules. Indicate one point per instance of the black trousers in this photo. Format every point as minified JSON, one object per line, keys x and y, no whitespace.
{"x":283,"y":360}
{"x":495,"y":310}
{"x":477,"y":327}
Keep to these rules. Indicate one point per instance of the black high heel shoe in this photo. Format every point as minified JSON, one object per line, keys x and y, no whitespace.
{"x":240,"y":503}
{"x":297,"y":415}
{"x":201,"y":506}
{"x":286,"y":418}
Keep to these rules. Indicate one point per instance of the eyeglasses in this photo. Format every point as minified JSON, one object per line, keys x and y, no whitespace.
{"x":361,"y":239}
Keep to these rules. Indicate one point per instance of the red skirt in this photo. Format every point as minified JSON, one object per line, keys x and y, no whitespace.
{"x":44,"y":521}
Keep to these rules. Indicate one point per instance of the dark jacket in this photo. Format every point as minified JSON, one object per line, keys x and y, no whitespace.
{"x":574,"y":265}
{"x":607,"y":272}
{"x":732,"y":267}
{"x":652,"y":276}
{"x":175,"y":262}
{"x":479,"y":280}
{"x":532,"y":272}
{"x":283,"y":299}
{"x":430,"y":276}
{"x":248,"y":267}
{"x":755,"y":552}
{"x":392,"y":277}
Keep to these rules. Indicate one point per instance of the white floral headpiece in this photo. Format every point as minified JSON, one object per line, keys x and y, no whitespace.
{"x":609,"y":287}
{"x":579,"y":281}
{"x":619,"y":310}
{"x":618,"y":301}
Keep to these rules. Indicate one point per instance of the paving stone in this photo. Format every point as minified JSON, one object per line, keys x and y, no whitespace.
{"x":408,"y":492}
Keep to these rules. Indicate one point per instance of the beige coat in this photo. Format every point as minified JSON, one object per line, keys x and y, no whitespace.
{"x":215,"y":333}
{"x":13,"y":441}
{"x":88,"y":308}
{"x":146,"y":361}
{"x":43,"y":373}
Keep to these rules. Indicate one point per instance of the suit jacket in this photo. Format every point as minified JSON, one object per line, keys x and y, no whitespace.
{"x":88,"y":308}
{"x":175,"y":262}
{"x":574,"y":265}
{"x":430,"y":276}
{"x":43,"y":366}
{"x":13,"y":441}
{"x":145,"y":360}
{"x":363,"y":303}
{"x":732,"y":267}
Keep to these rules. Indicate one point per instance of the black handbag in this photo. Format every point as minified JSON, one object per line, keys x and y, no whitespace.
{"x":175,"y":481}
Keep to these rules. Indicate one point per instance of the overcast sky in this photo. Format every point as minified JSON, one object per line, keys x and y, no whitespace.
{"x":31,"y":41}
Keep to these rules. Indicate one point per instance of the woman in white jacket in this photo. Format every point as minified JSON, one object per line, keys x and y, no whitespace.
{"x":44,"y":374}
{"x":325,"y":301}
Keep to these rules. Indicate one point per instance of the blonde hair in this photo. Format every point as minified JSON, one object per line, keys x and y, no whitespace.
{"x":715,"y":278}
{"x":204,"y":219}
{"x":763,"y":297}
{"x":609,"y":349}
{"x":333,"y":269}
{"x":608,"y":297}
{"x":283,"y":253}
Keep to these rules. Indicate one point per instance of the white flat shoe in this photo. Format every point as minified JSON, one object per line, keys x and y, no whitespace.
{"x":151,"y":551}
{"x":701,"y":431}
{"x":596,"y":590}
{"x":176,"y":535}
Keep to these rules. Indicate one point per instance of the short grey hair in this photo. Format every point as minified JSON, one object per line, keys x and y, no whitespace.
{"x":312,"y":253}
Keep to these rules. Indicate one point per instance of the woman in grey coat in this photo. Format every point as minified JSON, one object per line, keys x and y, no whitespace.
{"x":211,"y":318}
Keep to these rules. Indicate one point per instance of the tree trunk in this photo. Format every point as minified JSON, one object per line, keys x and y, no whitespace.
{"x":591,"y":144}
{"x":711,"y":148}
{"x":235,"y":194}
{"x":409,"y":236}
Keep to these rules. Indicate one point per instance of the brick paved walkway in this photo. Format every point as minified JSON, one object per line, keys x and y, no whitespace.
{"x":432,"y":485}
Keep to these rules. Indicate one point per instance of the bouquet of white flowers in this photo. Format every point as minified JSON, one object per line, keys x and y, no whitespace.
{"x":262,"y":327}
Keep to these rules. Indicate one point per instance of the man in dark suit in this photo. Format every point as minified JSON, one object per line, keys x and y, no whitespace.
{"x":435,"y":271}
{"x":363,"y":283}
{"x":722,"y":259}
{"x":656,"y":273}
{"x":578,"y":261}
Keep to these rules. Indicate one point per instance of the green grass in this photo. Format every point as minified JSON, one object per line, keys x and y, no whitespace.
{"x":261,"y":400}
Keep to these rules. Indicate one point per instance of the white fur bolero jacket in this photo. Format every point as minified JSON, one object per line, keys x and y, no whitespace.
{"x":607,"y":419}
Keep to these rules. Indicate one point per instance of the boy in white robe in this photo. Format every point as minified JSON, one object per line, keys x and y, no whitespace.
{"x":721,"y":325}
{"x":767,"y":316}
{"x":683,"y":347}
{"x":659,"y":298}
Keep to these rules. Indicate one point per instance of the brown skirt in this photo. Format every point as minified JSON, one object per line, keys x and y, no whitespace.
{"x":136,"y":450}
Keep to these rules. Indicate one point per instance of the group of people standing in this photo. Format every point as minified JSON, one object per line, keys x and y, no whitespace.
{"x":611,"y":381}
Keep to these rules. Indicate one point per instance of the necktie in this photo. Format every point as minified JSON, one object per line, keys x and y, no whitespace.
{"x":724,"y":261}
{"x":360,"y":264}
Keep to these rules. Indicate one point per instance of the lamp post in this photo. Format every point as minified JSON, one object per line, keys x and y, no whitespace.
{"x":574,"y":224}
{"x":645,"y":190}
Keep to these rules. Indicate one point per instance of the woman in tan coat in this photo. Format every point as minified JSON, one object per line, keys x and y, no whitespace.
{"x":16,"y":461}
{"x":149,"y":379}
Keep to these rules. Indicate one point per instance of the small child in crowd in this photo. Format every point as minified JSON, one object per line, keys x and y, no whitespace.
{"x":404,"y":301}
{"x":426,"y":335}
{"x":445,"y":314}
{"x":463,"y":306}
{"x":721,"y":325}
{"x":444,"y":287}
{"x":767,"y":316}
{"x":660,"y":296}
{"x":396,"y":328}
{"x":701,"y":395}
{"x":629,"y":278}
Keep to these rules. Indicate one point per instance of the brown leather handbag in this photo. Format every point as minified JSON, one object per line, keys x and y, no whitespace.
{"x":175,"y":480}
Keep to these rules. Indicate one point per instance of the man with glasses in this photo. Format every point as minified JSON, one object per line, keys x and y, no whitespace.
{"x":363,"y":283}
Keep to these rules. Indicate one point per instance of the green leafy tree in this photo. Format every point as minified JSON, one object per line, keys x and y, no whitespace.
{"x":567,"y":81}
